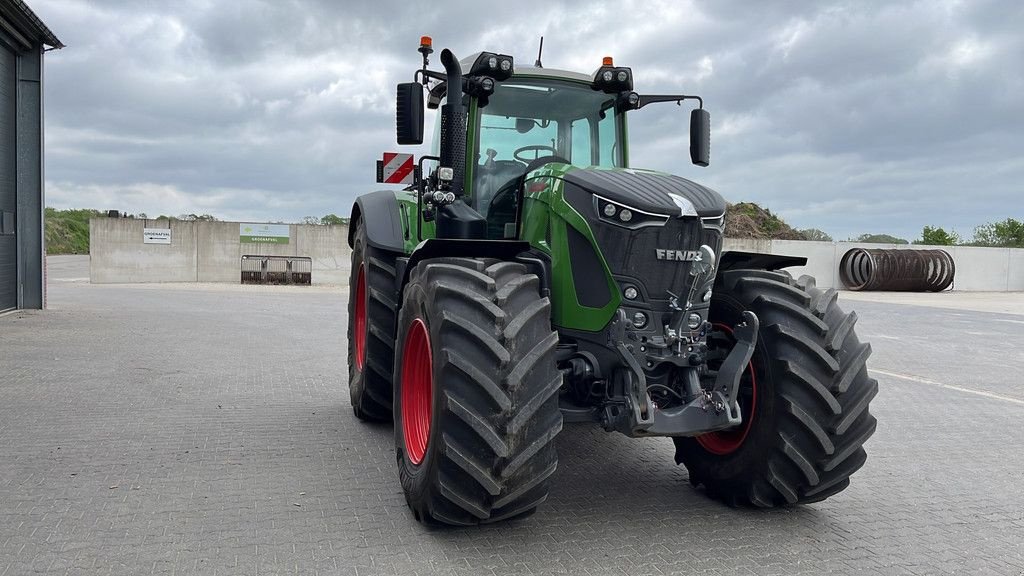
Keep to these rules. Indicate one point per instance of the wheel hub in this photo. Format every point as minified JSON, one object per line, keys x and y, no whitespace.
{"x":360,"y":319}
{"x":417,"y":391}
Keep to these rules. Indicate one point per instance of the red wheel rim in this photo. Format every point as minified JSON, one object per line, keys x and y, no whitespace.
{"x":417,"y":391}
{"x":728,"y":441}
{"x":360,"y":319}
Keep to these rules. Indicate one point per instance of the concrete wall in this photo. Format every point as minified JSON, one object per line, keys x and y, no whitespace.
{"x":977,"y":269}
{"x":205,"y":251}
{"x":211,"y":252}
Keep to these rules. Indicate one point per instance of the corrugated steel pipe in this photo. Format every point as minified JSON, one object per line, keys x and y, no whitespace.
{"x":897,"y":270}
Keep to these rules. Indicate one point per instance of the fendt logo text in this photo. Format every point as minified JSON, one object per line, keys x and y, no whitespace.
{"x":677,"y":255}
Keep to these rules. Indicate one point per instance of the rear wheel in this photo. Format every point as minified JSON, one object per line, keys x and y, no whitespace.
{"x":804,"y":397}
{"x":476,"y":404}
{"x":372,"y":307}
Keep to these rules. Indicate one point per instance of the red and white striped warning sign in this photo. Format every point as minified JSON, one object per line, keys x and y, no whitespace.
{"x":395,"y":169}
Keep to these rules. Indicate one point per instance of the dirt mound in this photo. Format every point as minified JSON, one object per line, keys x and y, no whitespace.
{"x":748,"y":220}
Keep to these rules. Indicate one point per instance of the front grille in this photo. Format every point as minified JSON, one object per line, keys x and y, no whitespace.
{"x":633,"y":253}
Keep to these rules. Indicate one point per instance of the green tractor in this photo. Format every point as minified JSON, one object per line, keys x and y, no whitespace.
{"x":528,"y":277}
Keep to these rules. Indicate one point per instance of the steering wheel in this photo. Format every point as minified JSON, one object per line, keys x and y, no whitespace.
{"x":536,"y":149}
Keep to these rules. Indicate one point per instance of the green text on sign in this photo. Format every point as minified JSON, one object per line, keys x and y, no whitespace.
{"x":263,"y":233}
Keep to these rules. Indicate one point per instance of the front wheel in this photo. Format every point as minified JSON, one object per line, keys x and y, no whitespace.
{"x":475,"y":398}
{"x":804,"y":397}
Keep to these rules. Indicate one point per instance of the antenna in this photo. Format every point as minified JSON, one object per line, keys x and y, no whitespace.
{"x":539,"y":52}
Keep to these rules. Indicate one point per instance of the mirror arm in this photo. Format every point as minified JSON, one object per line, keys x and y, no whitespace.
{"x":677,"y":98}
{"x":428,"y":74}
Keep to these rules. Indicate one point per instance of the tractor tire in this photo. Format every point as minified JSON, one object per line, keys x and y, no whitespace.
{"x":804,"y":397}
{"x":476,"y":392}
{"x":372,"y":307}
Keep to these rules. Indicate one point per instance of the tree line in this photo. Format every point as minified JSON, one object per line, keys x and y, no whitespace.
{"x":1007,"y":233}
{"x":67,"y":231}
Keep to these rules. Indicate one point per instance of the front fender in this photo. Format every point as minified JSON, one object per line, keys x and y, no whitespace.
{"x":758,"y":261}
{"x":449,"y":247}
{"x":380,"y":215}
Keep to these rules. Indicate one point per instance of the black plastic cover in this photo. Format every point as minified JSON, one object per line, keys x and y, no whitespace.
{"x":648,"y":191}
{"x":457,"y":220}
{"x":587,"y":272}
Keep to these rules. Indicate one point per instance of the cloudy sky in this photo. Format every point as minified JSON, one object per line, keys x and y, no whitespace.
{"x":849,"y":116}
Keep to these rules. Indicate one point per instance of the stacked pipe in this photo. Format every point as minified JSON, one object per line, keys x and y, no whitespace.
{"x":897,"y":270}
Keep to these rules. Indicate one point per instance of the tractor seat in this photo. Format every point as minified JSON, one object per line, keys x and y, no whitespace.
{"x":489,"y":177}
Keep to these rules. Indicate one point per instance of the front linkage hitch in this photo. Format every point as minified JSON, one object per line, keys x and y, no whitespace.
{"x":710,"y":410}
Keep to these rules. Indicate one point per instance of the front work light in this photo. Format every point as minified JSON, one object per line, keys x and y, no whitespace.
{"x":612,"y":79}
{"x":497,"y":66}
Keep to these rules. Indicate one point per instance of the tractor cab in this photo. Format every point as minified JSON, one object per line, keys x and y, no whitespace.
{"x":505,"y":121}
{"x":536,"y":117}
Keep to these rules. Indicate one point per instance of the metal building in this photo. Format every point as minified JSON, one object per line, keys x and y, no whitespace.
{"x":23,"y":40}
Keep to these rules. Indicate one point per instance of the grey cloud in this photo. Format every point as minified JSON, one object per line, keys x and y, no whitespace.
{"x":850,"y":117}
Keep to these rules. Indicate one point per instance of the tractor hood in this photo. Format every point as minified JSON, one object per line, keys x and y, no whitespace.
{"x":649,"y":191}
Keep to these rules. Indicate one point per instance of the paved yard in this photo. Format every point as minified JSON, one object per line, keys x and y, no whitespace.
{"x":207,"y":430}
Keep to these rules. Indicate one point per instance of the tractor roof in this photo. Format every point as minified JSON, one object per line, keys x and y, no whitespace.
{"x":551,"y":73}
{"x":467,"y":63}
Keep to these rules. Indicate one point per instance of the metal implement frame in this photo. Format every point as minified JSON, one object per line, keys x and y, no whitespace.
{"x":257,"y":269}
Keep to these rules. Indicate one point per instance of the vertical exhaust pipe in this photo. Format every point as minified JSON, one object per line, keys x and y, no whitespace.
{"x":453,"y":124}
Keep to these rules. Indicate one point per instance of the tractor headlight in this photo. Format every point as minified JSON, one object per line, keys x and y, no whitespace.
{"x":492,"y":62}
{"x":630,"y":293}
{"x":626,"y":216}
{"x":693,"y":321}
{"x":715,"y":222}
{"x":622,"y":76}
{"x":607,"y":76}
{"x":639,"y":320}
{"x":506,"y":65}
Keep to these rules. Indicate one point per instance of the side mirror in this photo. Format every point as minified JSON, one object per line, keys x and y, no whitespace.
{"x":700,"y":137}
{"x":409,"y":113}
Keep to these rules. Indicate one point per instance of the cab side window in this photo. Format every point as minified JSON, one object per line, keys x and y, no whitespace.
{"x":608,"y":149}
{"x":581,"y":144}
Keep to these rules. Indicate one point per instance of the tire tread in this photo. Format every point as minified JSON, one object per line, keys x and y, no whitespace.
{"x":492,"y":333}
{"x":822,"y":394}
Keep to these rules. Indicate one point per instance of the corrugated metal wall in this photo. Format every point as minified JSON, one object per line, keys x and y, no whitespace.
{"x":8,"y":180}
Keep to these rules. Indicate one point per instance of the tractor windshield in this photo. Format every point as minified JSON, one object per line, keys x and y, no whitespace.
{"x":532,"y":118}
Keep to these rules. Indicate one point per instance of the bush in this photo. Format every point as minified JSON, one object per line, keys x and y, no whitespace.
{"x":815,"y":235}
{"x":937,"y":237}
{"x":879,"y":239}
{"x":1006,"y":234}
{"x":67,"y":231}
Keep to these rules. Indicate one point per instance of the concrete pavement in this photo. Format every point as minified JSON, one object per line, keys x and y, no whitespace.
{"x":207,"y":430}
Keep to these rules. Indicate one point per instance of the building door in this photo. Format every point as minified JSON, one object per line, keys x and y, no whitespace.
{"x":8,"y":180}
